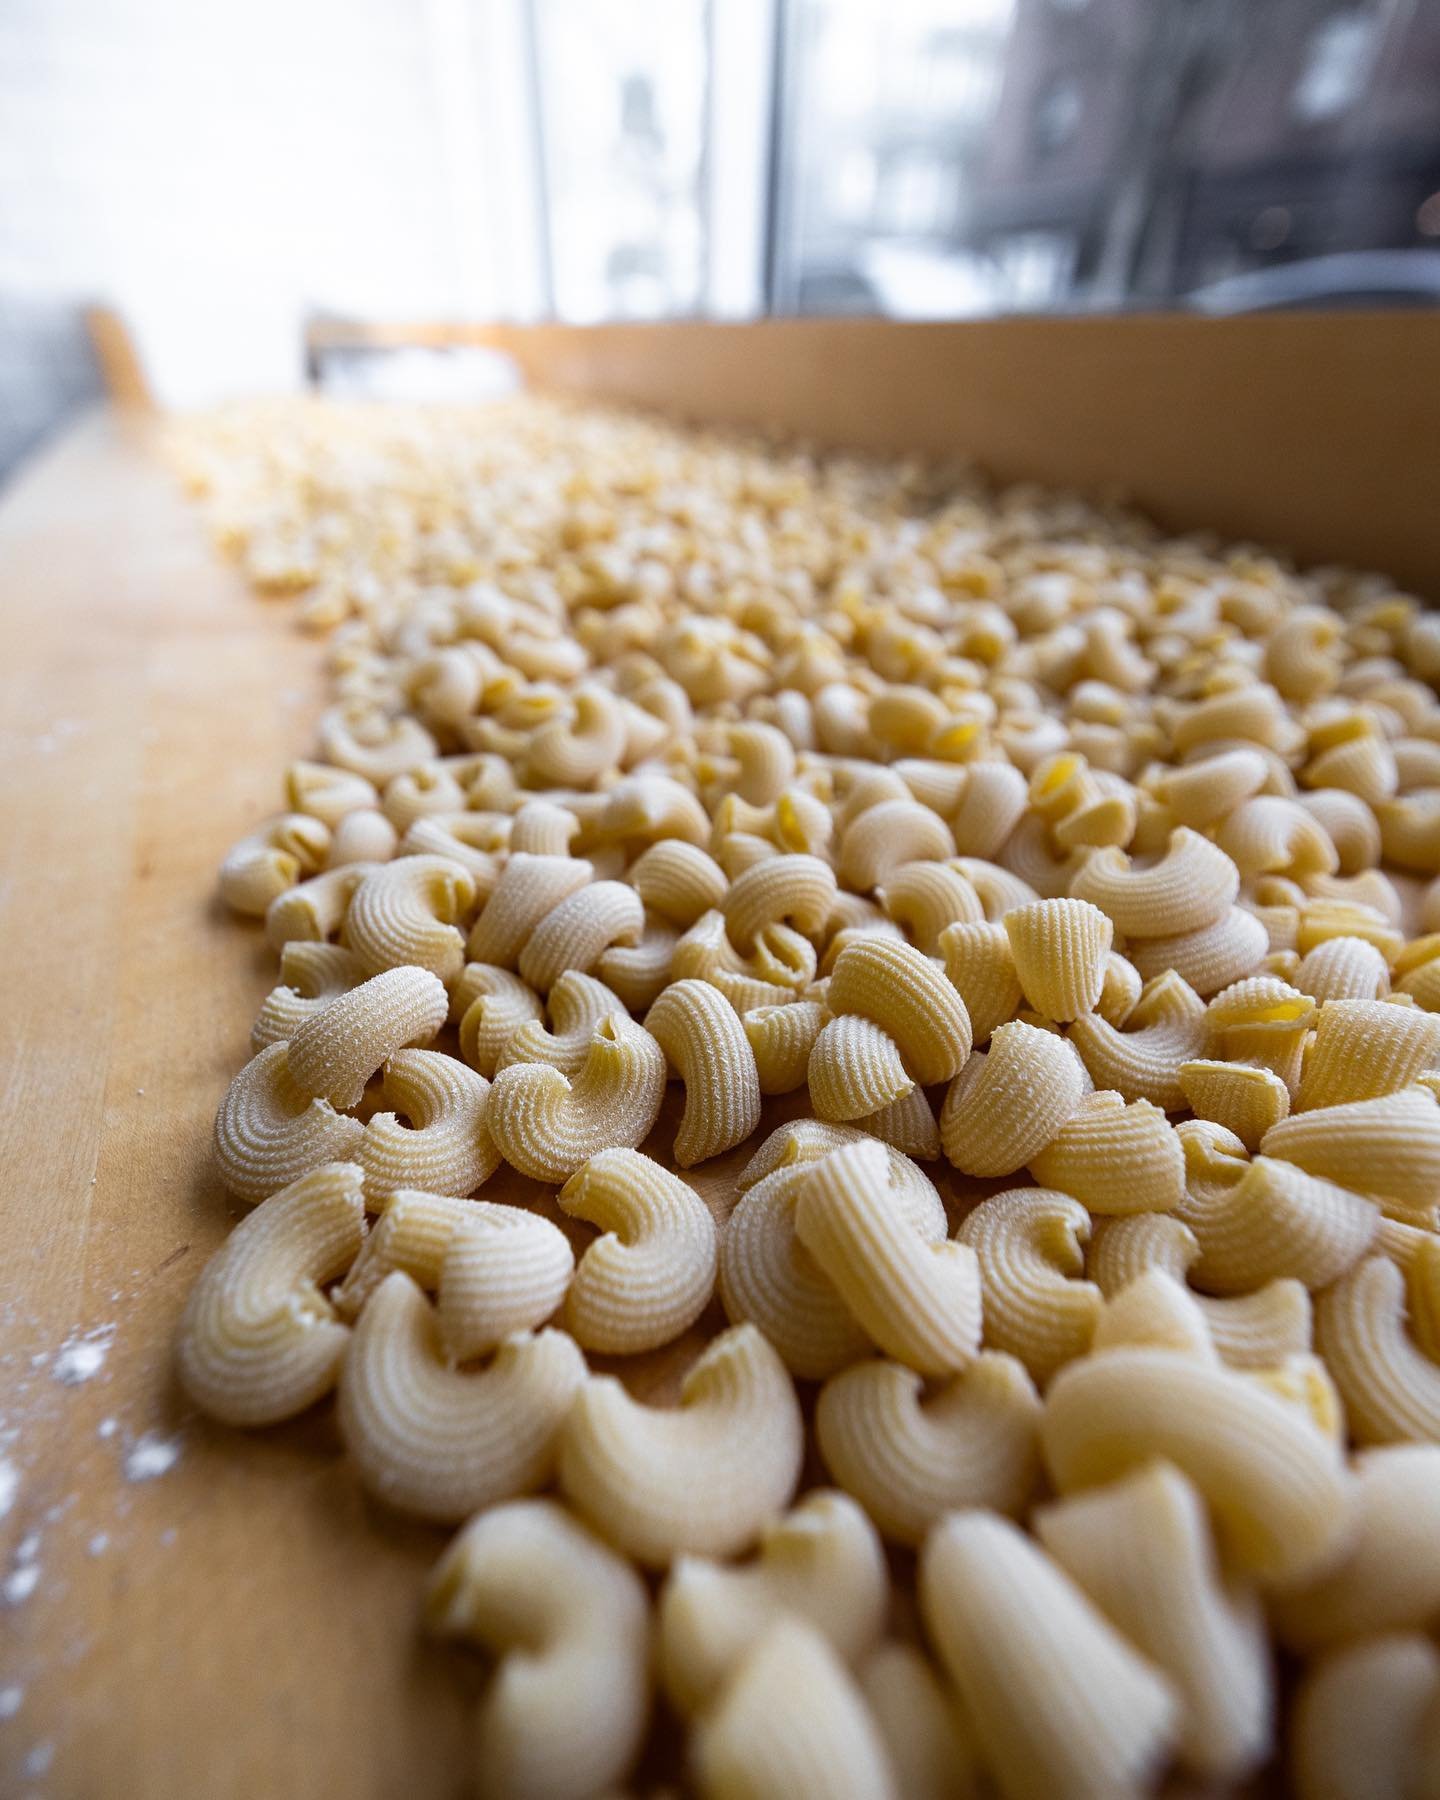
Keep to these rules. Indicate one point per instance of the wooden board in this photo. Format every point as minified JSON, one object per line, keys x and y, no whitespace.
{"x":246,"y":1627}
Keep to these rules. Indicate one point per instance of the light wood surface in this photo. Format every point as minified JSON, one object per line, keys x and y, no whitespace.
{"x":248,"y":1627}
{"x":1316,"y":431}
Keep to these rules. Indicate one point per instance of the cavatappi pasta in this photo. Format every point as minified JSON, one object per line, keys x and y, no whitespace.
{"x":1023,"y":931}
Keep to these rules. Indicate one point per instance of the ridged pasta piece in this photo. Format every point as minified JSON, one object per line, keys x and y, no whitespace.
{"x":568,"y":1623}
{"x":259,"y":1341}
{"x":1141,"y":1549}
{"x":1273,"y":835}
{"x":311,"y":976}
{"x":1120,"y":989}
{"x":679,"y":881}
{"x":1410,"y":830}
{"x":404,"y":913}
{"x":909,"y":1457}
{"x":905,"y":993}
{"x":529,"y":887}
{"x":367,"y":743}
{"x":980,"y":967}
{"x":855,"y":1068}
{"x":807,"y":1140}
{"x":495,"y":1269}
{"x":1009,"y":1101}
{"x":781,"y":1039}
{"x":991,"y":805}
{"x":1030,"y":1243}
{"x":364,"y":837}
{"x":1390,"y":1386}
{"x":1361,"y":1727}
{"x":1155,"y":1311}
{"x":930,"y":1743}
{"x":1245,"y":1099}
{"x":638,"y":972}
{"x":1366,"y":1048}
{"x":705,"y":953}
{"x":701,"y":1035}
{"x":446,"y":1148}
{"x":794,"y":890}
{"x":1390,"y":1578}
{"x":543,"y":829}
{"x":1388,"y":1148}
{"x":1141,"y":1059}
{"x":1208,"y":959}
{"x":575,"y":933}
{"x":925,"y":897}
{"x":1191,"y":886}
{"x":546,"y":1125}
{"x":1199,"y":793}
{"x":652,"y":1272}
{"x":705,"y":1476}
{"x":1114,"y":1156}
{"x":477,"y":841}
{"x":1276,"y":1485}
{"x":790,"y":1720}
{"x":270,"y":861}
{"x":442,"y":1442}
{"x":313,"y":910}
{"x":822,"y":1562}
{"x":1260,"y":1221}
{"x":1250,"y":1331}
{"x":1060,"y":1702}
{"x":918,"y":1300}
{"x":495,"y":1006}
{"x":884,"y":837}
{"x":1059,"y":949}
{"x":334,"y":1053}
{"x":327,"y":793}
{"x":577,"y":1003}
{"x":907,"y":1124}
{"x":270,"y":1131}
{"x":999,"y":889}
{"x":1344,"y":968}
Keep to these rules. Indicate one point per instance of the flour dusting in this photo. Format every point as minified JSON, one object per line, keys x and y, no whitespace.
{"x":151,"y":1455}
{"x":80,"y":1358}
{"x":12,"y":1698}
{"x":9,"y":1485}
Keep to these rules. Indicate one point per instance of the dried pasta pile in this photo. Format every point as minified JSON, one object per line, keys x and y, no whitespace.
{"x":1022,"y":931}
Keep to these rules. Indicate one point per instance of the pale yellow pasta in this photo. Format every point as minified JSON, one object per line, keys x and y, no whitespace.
{"x":369,"y":744}
{"x":494,"y":1006}
{"x":404,"y":913}
{"x":1155,"y":1311}
{"x":1060,"y":1702}
{"x":1141,"y":1549}
{"x":999,"y":889}
{"x":1250,"y":1331}
{"x":311,"y":976}
{"x":679,"y":881}
{"x":327,"y":793}
{"x":907,"y":1124}
{"x":547,"y":1125}
{"x":442,"y":1442}
{"x":577,"y":1003}
{"x":1208,"y":959}
{"x":651,"y":1273}
{"x":1030,"y":854}
{"x":1410,"y":830}
{"x":575,"y":933}
{"x":1199,"y":793}
{"x":1031,"y":1246}
{"x":1059,"y":949}
{"x":790,"y":1720}
{"x":1301,"y":654}
{"x":1390,"y":1386}
{"x":705,"y":1476}
{"x":271,"y":860}
{"x":1276,"y":1484}
{"x":1365,"y":1048}
{"x":270,"y":1130}
{"x":1115,"y":1157}
{"x":529,"y":887}
{"x":1191,"y":886}
{"x":1343,"y":968}
{"x":909,"y":1457}
{"x":314,"y":910}
{"x":258,"y":1340}
{"x":420,"y":793}
{"x":991,"y":805}
{"x":917,"y":1300}
{"x":705,"y":953}
{"x":364,"y":836}
{"x":445,"y":1148}
{"x":906,"y":994}
{"x":925,"y":897}
{"x":855,"y":1068}
{"x":807,"y":1140}
{"x":1362,"y":1721}
{"x":335,"y":1052}
{"x":1009,"y":1101}
{"x":1245,"y":1099}
{"x":574,"y":751}
{"x":1142,"y":1057}
{"x":702,"y":1037}
{"x":645,"y":808}
{"x":881,"y":839}
{"x":930,"y":1743}
{"x":568,"y":1624}
{"x":1349,"y":823}
{"x":1254,"y":714}
{"x":781,"y":1039}
{"x":797,"y":890}
{"x":1273,"y":835}
{"x":1386,"y":1147}
{"x":821,"y":1562}
{"x":1389,"y":1579}
{"x":981,"y":968}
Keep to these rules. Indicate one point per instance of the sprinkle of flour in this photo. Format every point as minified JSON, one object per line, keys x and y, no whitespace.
{"x":12,"y":1698}
{"x":38,"y":1762}
{"x":80,"y":1358}
{"x":151,"y":1455}
{"x":9,"y":1485}
{"x":107,"y":1428}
